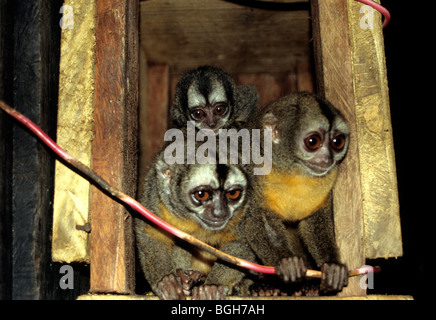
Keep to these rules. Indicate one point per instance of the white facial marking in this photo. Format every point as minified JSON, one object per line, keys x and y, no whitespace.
{"x":195,"y":98}
{"x":218,"y":94}
{"x":204,"y":175}
{"x":235,"y":177}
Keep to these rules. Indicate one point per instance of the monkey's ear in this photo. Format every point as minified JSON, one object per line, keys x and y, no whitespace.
{"x":163,"y":174}
{"x":177,"y":115}
{"x":270,"y":121}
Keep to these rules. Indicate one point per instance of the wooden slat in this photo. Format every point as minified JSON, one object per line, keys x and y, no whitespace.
{"x":374,"y":133}
{"x":251,"y":298}
{"x":74,"y":133}
{"x":114,"y":145}
{"x":157,"y":108}
{"x":239,"y":38}
{"x":153,"y":113}
{"x":335,"y":82}
{"x":31,"y":75}
{"x":305,"y":81}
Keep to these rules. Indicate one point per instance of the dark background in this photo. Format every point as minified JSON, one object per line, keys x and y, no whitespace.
{"x":410,"y":67}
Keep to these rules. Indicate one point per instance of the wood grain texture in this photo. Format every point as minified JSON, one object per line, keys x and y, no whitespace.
{"x":250,"y":39}
{"x":153,"y":112}
{"x":74,"y":133}
{"x":114,"y":144}
{"x":335,"y":82}
{"x":374,"y":133}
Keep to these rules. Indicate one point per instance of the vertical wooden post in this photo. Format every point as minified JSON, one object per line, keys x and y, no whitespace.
{"x":114,"y":145}
{"x":333,"y":67}
{"x":153,"y":113}
{"x":157,"y":108}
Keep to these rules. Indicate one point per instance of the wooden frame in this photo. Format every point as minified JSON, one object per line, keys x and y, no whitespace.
{"x":350,"y":72}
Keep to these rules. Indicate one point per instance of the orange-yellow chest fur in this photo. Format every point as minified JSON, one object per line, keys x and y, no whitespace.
{"x":294,"y":196}
{"x":201,"y":260}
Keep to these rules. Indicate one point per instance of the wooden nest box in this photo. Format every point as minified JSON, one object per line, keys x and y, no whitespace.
{"x":130,"y":53}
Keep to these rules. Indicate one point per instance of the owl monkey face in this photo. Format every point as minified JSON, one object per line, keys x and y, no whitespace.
{"x":210,"y":194}
{"x":308,"y":132}
{"x":205,"y":95}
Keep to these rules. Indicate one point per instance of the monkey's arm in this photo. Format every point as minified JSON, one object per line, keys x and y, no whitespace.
{"x":318,"y":234}
{"x":155,"y":256}
{"x":267,"y":236}
{"x":229,"y":275}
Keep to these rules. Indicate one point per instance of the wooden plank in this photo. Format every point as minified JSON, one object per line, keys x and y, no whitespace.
{"x":333,"y":67}
{"x":153,"y":112}
{"x":374,"y":133}
{"x":6,"y":90}
{"x":236,"y":298}
{"x":74,"y":133}
{"x":34,"y":83}
{"x":114,"y":145}
{"x":305,"y":80}
{"x":251,"y":38}
{"x":157,"y":108}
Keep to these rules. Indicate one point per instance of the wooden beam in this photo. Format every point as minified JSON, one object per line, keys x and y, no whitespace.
{"x":305,"y":81}
{"x":153,"y":111}
{"x":72,"y":195}
{"x":114,"y":145}
{"x":34,"y":84}
{"x":333,"y":66}
{"x":374,"y":134}
{"x":250,"y":38}
{"x":157,"y":108}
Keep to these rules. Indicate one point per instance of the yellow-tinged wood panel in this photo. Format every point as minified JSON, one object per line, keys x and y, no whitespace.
{"x":74,"y":134}
{"x":374,"y":133}
{"x":335,"y":82}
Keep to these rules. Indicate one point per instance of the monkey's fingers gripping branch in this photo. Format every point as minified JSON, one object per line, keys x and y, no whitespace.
{"x":125,"y":200}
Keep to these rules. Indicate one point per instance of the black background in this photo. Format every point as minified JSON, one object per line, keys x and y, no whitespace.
{"x":410,"y":66}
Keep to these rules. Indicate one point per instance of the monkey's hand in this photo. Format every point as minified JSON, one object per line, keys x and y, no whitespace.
{"x":334,"y":277}
{"x":170,"y":288}
{"x":291,"y":269}
{"x":188,"y":278}
{"x":209,"y":292}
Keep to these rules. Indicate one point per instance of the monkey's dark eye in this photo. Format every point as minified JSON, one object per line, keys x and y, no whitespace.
{"x":220,"y":110}
{"x":313,"y":142}
{"x":197,"y":114}
{"x":338,"y":142}
{"x":233,"y":194}
{"x":201,"y":195}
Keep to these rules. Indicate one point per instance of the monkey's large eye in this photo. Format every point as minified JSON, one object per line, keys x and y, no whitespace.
{"x":313,"y":142}
{"x":338,"y":142}
{"x":233,"y":194}
{"x":197,"y":114}
{"x":220,"y":110}
{"x":201,"y":195}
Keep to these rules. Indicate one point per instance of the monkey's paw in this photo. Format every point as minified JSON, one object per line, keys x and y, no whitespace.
{"x":334,"y":277}
{"x":170,"y":288}
{"x":209,"y":292}
{"x":188,"y":278}
{"x":291,"y":269}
